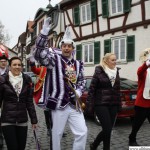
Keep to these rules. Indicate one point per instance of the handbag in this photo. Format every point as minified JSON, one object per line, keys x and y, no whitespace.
{"x":38,"y":147}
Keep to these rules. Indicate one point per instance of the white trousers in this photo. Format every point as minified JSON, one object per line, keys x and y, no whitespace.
{"x":77,"y":125}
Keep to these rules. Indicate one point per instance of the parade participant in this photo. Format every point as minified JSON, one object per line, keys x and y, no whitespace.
{"x":63,"y":84}
{"x":41,"y":73}
{"x":16,"y":99}
{"x":3,"y":71}
{"x":3,"y":60}
{"x":104,"y":95}
{"x":142,"y":103}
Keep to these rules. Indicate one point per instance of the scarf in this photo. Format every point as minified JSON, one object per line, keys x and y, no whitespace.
{"x":146,"y":92}
{"x":16,"y":82}
{"x":111,"y":74}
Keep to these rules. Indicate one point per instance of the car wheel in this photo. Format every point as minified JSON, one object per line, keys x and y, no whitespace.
{"x":96,"y":119}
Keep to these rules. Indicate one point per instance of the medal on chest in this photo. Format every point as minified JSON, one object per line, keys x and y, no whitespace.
{"x":70,"y":72}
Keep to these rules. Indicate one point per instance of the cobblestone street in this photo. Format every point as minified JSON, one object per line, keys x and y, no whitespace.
{"x":119,"y":137}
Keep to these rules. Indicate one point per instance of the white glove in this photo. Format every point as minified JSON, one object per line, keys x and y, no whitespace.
{"x":148,"y":61}
{"x":78,"y":92}
{"x":46,"y":26}
{"x":31,"y":58}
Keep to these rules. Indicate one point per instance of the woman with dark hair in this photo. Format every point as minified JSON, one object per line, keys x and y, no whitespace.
{"x":104,"y":94}
{"x":16,"y":99}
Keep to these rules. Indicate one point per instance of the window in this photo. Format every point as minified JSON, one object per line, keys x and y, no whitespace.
{"x":85,"y":13}
{"x":119,"y":48}
{"x":116,"y":7}
{"x":88,"y":53}
{"x":123,"y":47}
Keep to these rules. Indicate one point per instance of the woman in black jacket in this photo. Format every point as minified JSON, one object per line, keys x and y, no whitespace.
{"x":16,"y":99}
{"x":104,"y":94}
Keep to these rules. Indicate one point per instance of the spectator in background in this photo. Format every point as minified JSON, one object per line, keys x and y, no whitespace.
{"x":142,"y":103}
{"x":104,"y":95}
{"x":16,"y":99}
{"x":3,"y":71}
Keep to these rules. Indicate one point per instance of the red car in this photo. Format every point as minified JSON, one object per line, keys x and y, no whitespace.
{"x":128,"y":93}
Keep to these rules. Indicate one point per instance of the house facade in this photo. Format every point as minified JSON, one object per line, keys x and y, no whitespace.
{"x":101,"y":26}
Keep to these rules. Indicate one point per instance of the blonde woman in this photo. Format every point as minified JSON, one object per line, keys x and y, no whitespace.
{"x":142,"y":103}
{"x":105,"y":96}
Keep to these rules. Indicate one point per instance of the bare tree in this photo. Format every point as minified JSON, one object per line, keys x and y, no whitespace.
{"x":4,"y":37}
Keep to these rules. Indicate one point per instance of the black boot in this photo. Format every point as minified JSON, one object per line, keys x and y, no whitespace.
{"x":1,"y":141}
{"x":132,"y":141}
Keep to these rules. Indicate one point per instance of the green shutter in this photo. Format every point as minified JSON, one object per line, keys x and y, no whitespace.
{"x":105,"y":12}
{"x":79,"y":52}
{"x":127,"y":5}
{"x":130,"y":48}
{"x":93,"y":10}
{"x":76,"y":15}
{"x":97,"y":52}
{"x":107,"y":46}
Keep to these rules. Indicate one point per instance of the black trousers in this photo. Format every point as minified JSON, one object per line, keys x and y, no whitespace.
{"x":141,"y":114}
{"x":47,"y":119}
{"x":15,"y":137}
{"x":107,"y":116}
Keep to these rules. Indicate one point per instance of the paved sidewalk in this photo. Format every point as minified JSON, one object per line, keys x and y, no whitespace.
{"x":119,"y":139}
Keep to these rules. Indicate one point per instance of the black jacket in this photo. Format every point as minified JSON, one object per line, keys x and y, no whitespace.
{"x":14,"y":108}
{"x":101,"y":92}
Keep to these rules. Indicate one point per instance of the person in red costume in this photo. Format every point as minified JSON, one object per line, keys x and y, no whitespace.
{"x":142,"y":103}
{"x":41,"y":73}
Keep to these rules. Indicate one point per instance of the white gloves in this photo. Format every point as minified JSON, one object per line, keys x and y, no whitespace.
{"x":31,"y":58}
{"x":148,"y":61}
{"x":78,"y":92}
{"x":46,"y":26}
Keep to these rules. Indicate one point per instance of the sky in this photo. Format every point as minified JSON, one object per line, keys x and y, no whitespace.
{"x":15,"y":14}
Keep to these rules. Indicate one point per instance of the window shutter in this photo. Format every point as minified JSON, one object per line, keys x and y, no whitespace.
{"x":97,"y":52}
{"x":79,"y":52}
{"x":127,"y":5}
{"x":130,"y":48}
{"x":107,"y":46}
{"x":76,"y":15}
{"x":105,"y":12}
{"x":93,"y":10}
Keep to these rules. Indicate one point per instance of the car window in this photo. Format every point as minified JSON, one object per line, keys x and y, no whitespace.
{"x":32,"y":75}
{"x":88,"y":82}
{"x":128,"y":84}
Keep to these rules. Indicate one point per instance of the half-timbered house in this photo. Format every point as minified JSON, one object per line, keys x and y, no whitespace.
{"x":101,"y":26}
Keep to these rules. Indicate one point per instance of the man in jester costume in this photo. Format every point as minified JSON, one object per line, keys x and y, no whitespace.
{"x":64,"y":84}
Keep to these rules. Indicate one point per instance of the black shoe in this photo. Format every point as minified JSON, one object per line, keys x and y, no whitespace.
{"x":1,"y":141}
{"x":133,"y":143}
{"x":92,"y":147}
